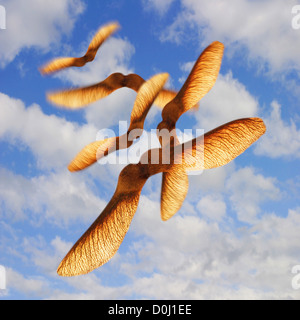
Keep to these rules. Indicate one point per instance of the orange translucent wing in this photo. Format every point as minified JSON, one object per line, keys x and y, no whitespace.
{"x":67,"y":62}
{"x":146,"y":96}
{"x":214,"y":149}
{"x":95,"y":151}
{"x":104,"y":237}
{"x":81,"y":97}
{"x":221,"y":145}
{"x":102,"y":240}
{"x":62,"y":63}
{"x":174,"y":185}
{"x":203,"y":76}
{"x":102,"y":34}
{"x":174,"y":189}
{"x":164,"y":97}
{"x":199,"y":82}
{"x":144,"y":100}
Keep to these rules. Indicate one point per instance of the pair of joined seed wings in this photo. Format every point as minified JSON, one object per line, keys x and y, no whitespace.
{"x":200,"y":81}
{"x":66,"y":62}
{"x":78,"y":98}
{"x":104,"y":237}
{"x":216,"y":148}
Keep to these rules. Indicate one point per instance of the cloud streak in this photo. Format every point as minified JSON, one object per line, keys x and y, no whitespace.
{"x":282,"y":139}
{"x":52,"y":139}
{"x":242,"y":25}
{"x":36,"y":24}
{"x":232,"y":239}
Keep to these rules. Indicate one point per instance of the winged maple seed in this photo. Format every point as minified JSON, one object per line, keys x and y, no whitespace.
{"x":62,"y":63}
{"x":98,"y":149}
{"x":200,"y":81}
{"x":102,"y":240}
{"x":215,"y":148}
{"x":81,"y":97}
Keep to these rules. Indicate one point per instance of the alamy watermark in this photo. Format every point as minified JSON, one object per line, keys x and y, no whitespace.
{"x":296,"y":17}
{"x":191,"y":147}
{"x":2,"y":18}
{"x":2,"y":278}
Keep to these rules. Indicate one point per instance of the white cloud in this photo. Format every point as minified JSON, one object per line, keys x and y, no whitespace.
{"x":29,"y":286}
{"x":210,"y":181}
{"x":262,"y":27}
{"x":60,"y":198}
{"x":57,"y":194}
{"x":228,"y":100}
{"x":281,"y":139}
{"x":160,"y":6}
{"x":53,"y":140}
{"x":43,"y":255}
{"x":248,"y":190}
{"x":35,"y":23}
{"x":212,"y":207}
{"x":188,"y":258}
{"x":184,"y":258}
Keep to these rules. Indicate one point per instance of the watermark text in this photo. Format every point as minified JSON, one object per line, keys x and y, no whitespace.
{"x":2,"y":18}
{"x":296,"y":278}
{"x":131,"y":147}
{"x":296,"y":17}
{"x":2,"y":278}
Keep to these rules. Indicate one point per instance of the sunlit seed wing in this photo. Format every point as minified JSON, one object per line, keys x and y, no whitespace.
{"x":134,"y":81}
{"x":67,"y":62}
{"x":97,"y":150}
{"x":81,"y":97}
{"x":203,"y":76}
{"x":201,"y":79}
{"x":174,"y":185}
{"x":60,"y":64}
{"x":174,"y":189}
{"x":147,"y":94}
{"x":164,"y":97}
{"x":222,"y":144}
{"x":102,"y":240}
{"x":78,"y":98}
{"x":199,"y":82}
{"x":103,"y":33}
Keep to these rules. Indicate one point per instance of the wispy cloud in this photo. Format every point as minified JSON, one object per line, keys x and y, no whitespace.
{"x":33,"y":23}
{"x":242,"y":25}
{"x":248,"y":190}
{"x":53,"y":140}
{"x":282,"y":139}
{"x":160,"y":6}
{"x":227,"y":101}
{"x":229,"y":240}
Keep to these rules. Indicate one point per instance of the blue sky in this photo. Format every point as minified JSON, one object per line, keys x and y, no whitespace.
{"x":237,"y":234}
